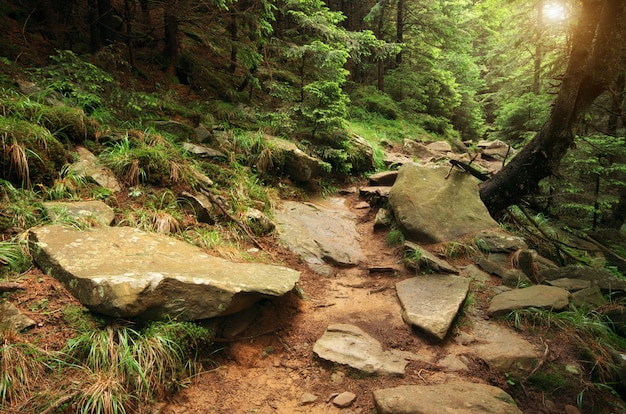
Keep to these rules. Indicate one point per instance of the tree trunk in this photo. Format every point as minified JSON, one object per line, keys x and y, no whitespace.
{"x":399,"y":29}
{"x":592,"y":66}
{"x":538,"y":57}
{"x":95,"y":40}
{"x":618,"y":215}
{"x":172,"y":41}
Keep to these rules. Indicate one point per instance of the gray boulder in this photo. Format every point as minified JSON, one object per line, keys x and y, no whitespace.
{"x":602,"y":278}
{"x":88,"y":165}
{"x":298,"y":165}
{"x":494,"y":241}
{"x":432,"y":206}
{"x":540,"y":296}
{"x":320,"y":233}
{"x":432,"y":302}
{"x":457,"y":397}
{"x":503,"y":348}
{"x":92,"y":212}
{"x":124,"y":272}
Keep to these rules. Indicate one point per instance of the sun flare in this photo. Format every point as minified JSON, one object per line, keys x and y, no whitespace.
{"x":554,"y":12}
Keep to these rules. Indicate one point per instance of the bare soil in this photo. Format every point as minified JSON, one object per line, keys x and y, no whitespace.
{"x":270,"y":366}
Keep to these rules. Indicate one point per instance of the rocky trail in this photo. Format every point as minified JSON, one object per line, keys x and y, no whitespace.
{"x":341,"y":320}
{"x":272,"y":366}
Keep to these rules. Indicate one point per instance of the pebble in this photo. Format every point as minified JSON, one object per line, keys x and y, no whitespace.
{"x":345,"y":399}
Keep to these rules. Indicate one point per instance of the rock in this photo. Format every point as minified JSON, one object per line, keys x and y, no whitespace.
{"x":455,"y":397}
{"x":540,"y":296}
{"x":510,"y":277}
{"x":307,"y":398}
{"x":181,"y":131}
{"x":492,"y":241}
{"x":604,"y":279}
{"x":383,"y":179}
{"x":259,"y":222}
{"x":571,"y":285}
{"x":474,"y":273}
{"x":394,"y":160}
{"x":617,"y":316}
{"x":496,"y":149}
{"x":382,"y":220}
{"x":439,"y":146}
{"x":199,"y":205}
{"x":417,"y":149}
{"x":203,"y":134}
{"x":452,"y":363}
{"x":426,"y":260}
{"x":590,"y":297}
{"x":431,"y":302}
{"x":524,"y":260}
{"x":88,"y":165}
{"x":375,"y":195}
{"x":360,"y":154}
{"x":203,"y":151}
{"x":430,"y":208}
{"x":127,"y":273}
{"x":89,"y":212}
{"x":348,"y":345}
{"x":344,"y":400}
{"x":503,"y":349}
{"x":298,"y":165}
{"x":12,"y":319}
{"x":320,"y":232}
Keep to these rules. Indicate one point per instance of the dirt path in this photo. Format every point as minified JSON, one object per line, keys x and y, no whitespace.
{"x":270,"y":372}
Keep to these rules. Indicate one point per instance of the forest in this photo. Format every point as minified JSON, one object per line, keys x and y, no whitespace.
{"x":545,"y":77}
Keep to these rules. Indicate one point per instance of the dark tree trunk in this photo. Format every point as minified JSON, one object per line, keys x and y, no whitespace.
{"x":618,"y":215}
{"x":95,"y":40}
{"x":172,"y":41}
{"x":106,"y":20}
{"x":399,"y":29}
{"x":592,"y":66}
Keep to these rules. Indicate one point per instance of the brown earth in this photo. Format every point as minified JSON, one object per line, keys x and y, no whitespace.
{"x":269,"y":367}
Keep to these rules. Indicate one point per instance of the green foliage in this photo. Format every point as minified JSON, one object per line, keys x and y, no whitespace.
{"x":30,"y":154}
{"x":595,"y":174}
{"x":519,"y":119}
{"x":325,"y":106}
{"x":395,"y":237}
{"x":81,"y":82}
{"x":14,"y":257}
{"x":373,"y":101}
{"x":123,"y":368}
{"x":23,"y":207}
{"x":588,"y":330}
{"x":148,"y":158}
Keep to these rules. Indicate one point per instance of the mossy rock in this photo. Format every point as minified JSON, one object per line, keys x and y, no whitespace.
{"x":30,"y":155}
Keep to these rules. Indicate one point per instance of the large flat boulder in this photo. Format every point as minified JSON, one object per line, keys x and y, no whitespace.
{"x":323,"y":232}
{"x":128,"y":273}
{"x":435,"y":204}
{"x":457,"y":397}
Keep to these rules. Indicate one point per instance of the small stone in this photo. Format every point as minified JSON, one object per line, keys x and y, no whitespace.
{"x":345,"y":399}
{"x":362,"y":205}
{"x":570,"y":409}
{"x":307,"y":398}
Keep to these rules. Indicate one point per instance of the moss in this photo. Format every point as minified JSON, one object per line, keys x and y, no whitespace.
{"x":30,"y":154}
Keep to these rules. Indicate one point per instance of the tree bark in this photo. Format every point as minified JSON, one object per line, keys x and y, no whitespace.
{"x":172,"y":37}
{"x":592,"y":66}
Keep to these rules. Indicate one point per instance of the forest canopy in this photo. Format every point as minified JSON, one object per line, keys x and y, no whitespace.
{"x":459,"y":69}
